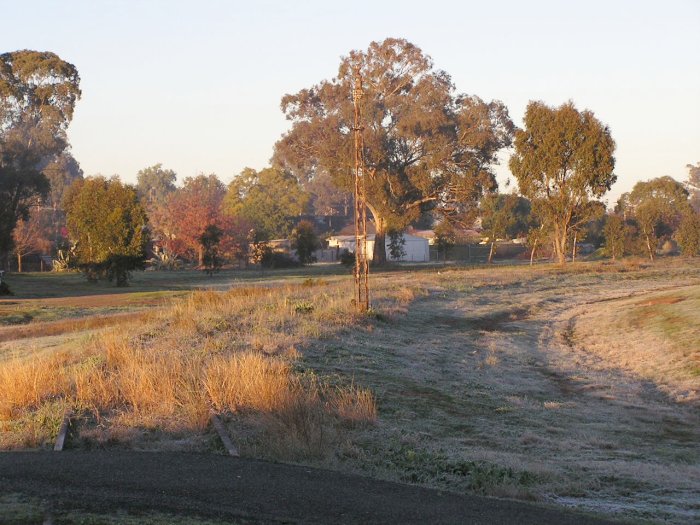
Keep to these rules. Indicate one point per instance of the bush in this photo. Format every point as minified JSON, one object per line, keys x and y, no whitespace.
{"x":347,"y":258}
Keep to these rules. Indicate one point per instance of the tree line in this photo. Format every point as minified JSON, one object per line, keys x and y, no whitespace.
{"x":429,"y":151}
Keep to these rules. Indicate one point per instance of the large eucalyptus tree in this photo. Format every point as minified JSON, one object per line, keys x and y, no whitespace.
{"x":425,"y":146}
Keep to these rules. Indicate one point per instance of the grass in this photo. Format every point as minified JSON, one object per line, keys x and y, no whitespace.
{"x":533,"y":383}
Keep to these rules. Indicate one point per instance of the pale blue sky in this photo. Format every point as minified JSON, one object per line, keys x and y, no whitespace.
{"x":197,"y":85}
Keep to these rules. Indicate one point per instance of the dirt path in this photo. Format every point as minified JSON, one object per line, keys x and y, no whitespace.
{"x":228,"y":488}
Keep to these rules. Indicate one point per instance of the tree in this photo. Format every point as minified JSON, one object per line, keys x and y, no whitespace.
{"x":614,"y":232}
{"x":28,"y":237}
{"x":425,"y":147}
{"x":154,"y":185}
{"x":305,"y":241}
{"x":271,"y":199}
{"x":61,"y":172}
{"x":210,"y":240}
{"x":38,"y":92}
{"x":564,"y":157}
{"x":189,"y":211}
{"x":107,"y":223}
{"x":657,"y":205}
{"x":504,"y":216}
{"x":693,"y":185}
{"x":327,"y":198}
{"x":585,"y":221}
{"x":688,"y":233}
{"x":445,"y":239}
{"x":397,"y":244}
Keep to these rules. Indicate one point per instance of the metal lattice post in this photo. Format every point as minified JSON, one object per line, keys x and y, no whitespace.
{"x":361,"y":271}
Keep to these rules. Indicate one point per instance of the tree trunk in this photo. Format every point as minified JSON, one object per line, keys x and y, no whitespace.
{"x":651,"y":252}
{"x":573,"y":250}
{"x":379,"y":253}
{"x":200,"y":256}
{"x":491,"y":252}
{"x":532,"y":253}
{"x":19,"y":263}
{"x":560,"y":243}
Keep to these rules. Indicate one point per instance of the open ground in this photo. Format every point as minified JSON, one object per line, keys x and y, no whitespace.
{"x":575,"y":386}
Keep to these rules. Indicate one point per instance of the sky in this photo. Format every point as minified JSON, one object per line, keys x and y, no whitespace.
{"x":196,"y":85}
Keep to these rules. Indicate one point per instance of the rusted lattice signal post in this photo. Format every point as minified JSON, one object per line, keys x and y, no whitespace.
{"x":361,"y":261}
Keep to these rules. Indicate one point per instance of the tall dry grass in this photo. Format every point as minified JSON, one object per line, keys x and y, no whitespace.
{"x":231,"y":351}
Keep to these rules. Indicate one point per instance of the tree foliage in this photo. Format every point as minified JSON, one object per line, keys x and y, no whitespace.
{"x":154,"y":185}
{"x":563,"y":158}
{"x":693,"y":185}
{"x":425,"y":147}
{"x":38,"y":92}
{"x":305,"y":241}
{"x":271,"y":199}
{"x":614,"y":233}
{"x":187,"y":213}
{"x":107,"y":223}
{"x":504,"y":216}
{"x":210,"y":240}
{"x":657,"y":206}
{"x":688,"y":233}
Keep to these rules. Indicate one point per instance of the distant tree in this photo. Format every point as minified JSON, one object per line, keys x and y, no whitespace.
{"x":504,"y":216}
{"x":614,"y":232}
{"x":271,"y":199}
{"x":154,"y":185}
{"x":564,"y":158}
{"x":210,"y":240}
{"x":657,"y":206}
{"x":693,"y":185}
{"x":397,"y":244}
{"x":688,"y":233}
{"x":425,"y":147}
{"x":305,"y":241}
{"x":445,"y":238}
{"x":29,"y":237}
{"x":107,"y":223}
{"x":38,"y":92}
{"x":539,"y":228}
{"x":189,"y":211}
{"x":583,"y":223}
{"x":327,"y":198}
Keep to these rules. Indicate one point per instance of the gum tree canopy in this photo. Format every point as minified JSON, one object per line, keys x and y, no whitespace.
{"x":425,"y":146}
{"x":563,"y":159}
{"x":38,"y":92}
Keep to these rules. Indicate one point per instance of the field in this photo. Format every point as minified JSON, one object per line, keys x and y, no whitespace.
{"x":575,"y":386}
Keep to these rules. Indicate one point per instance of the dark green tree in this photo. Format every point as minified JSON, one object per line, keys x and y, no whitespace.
{"x":210,"y":240}
{"x":107,"y":223}
{"x":397,"y":244}
{"x":563,"y":158}
{"x":305,"y":241}
{"x":425,"y":147}
{"x":38,"y":92}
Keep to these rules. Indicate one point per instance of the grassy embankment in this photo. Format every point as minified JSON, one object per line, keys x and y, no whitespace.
{"x":507,"y":381}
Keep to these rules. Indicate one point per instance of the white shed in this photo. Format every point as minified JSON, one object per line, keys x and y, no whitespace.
{"x":416,"y":248}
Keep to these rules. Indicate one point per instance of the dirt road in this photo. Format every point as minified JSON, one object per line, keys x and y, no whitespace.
{"x":242,"y":489}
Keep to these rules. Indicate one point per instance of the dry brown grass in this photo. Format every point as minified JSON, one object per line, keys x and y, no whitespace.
{"x":49,"y":328}
{"x":231,"y":351}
